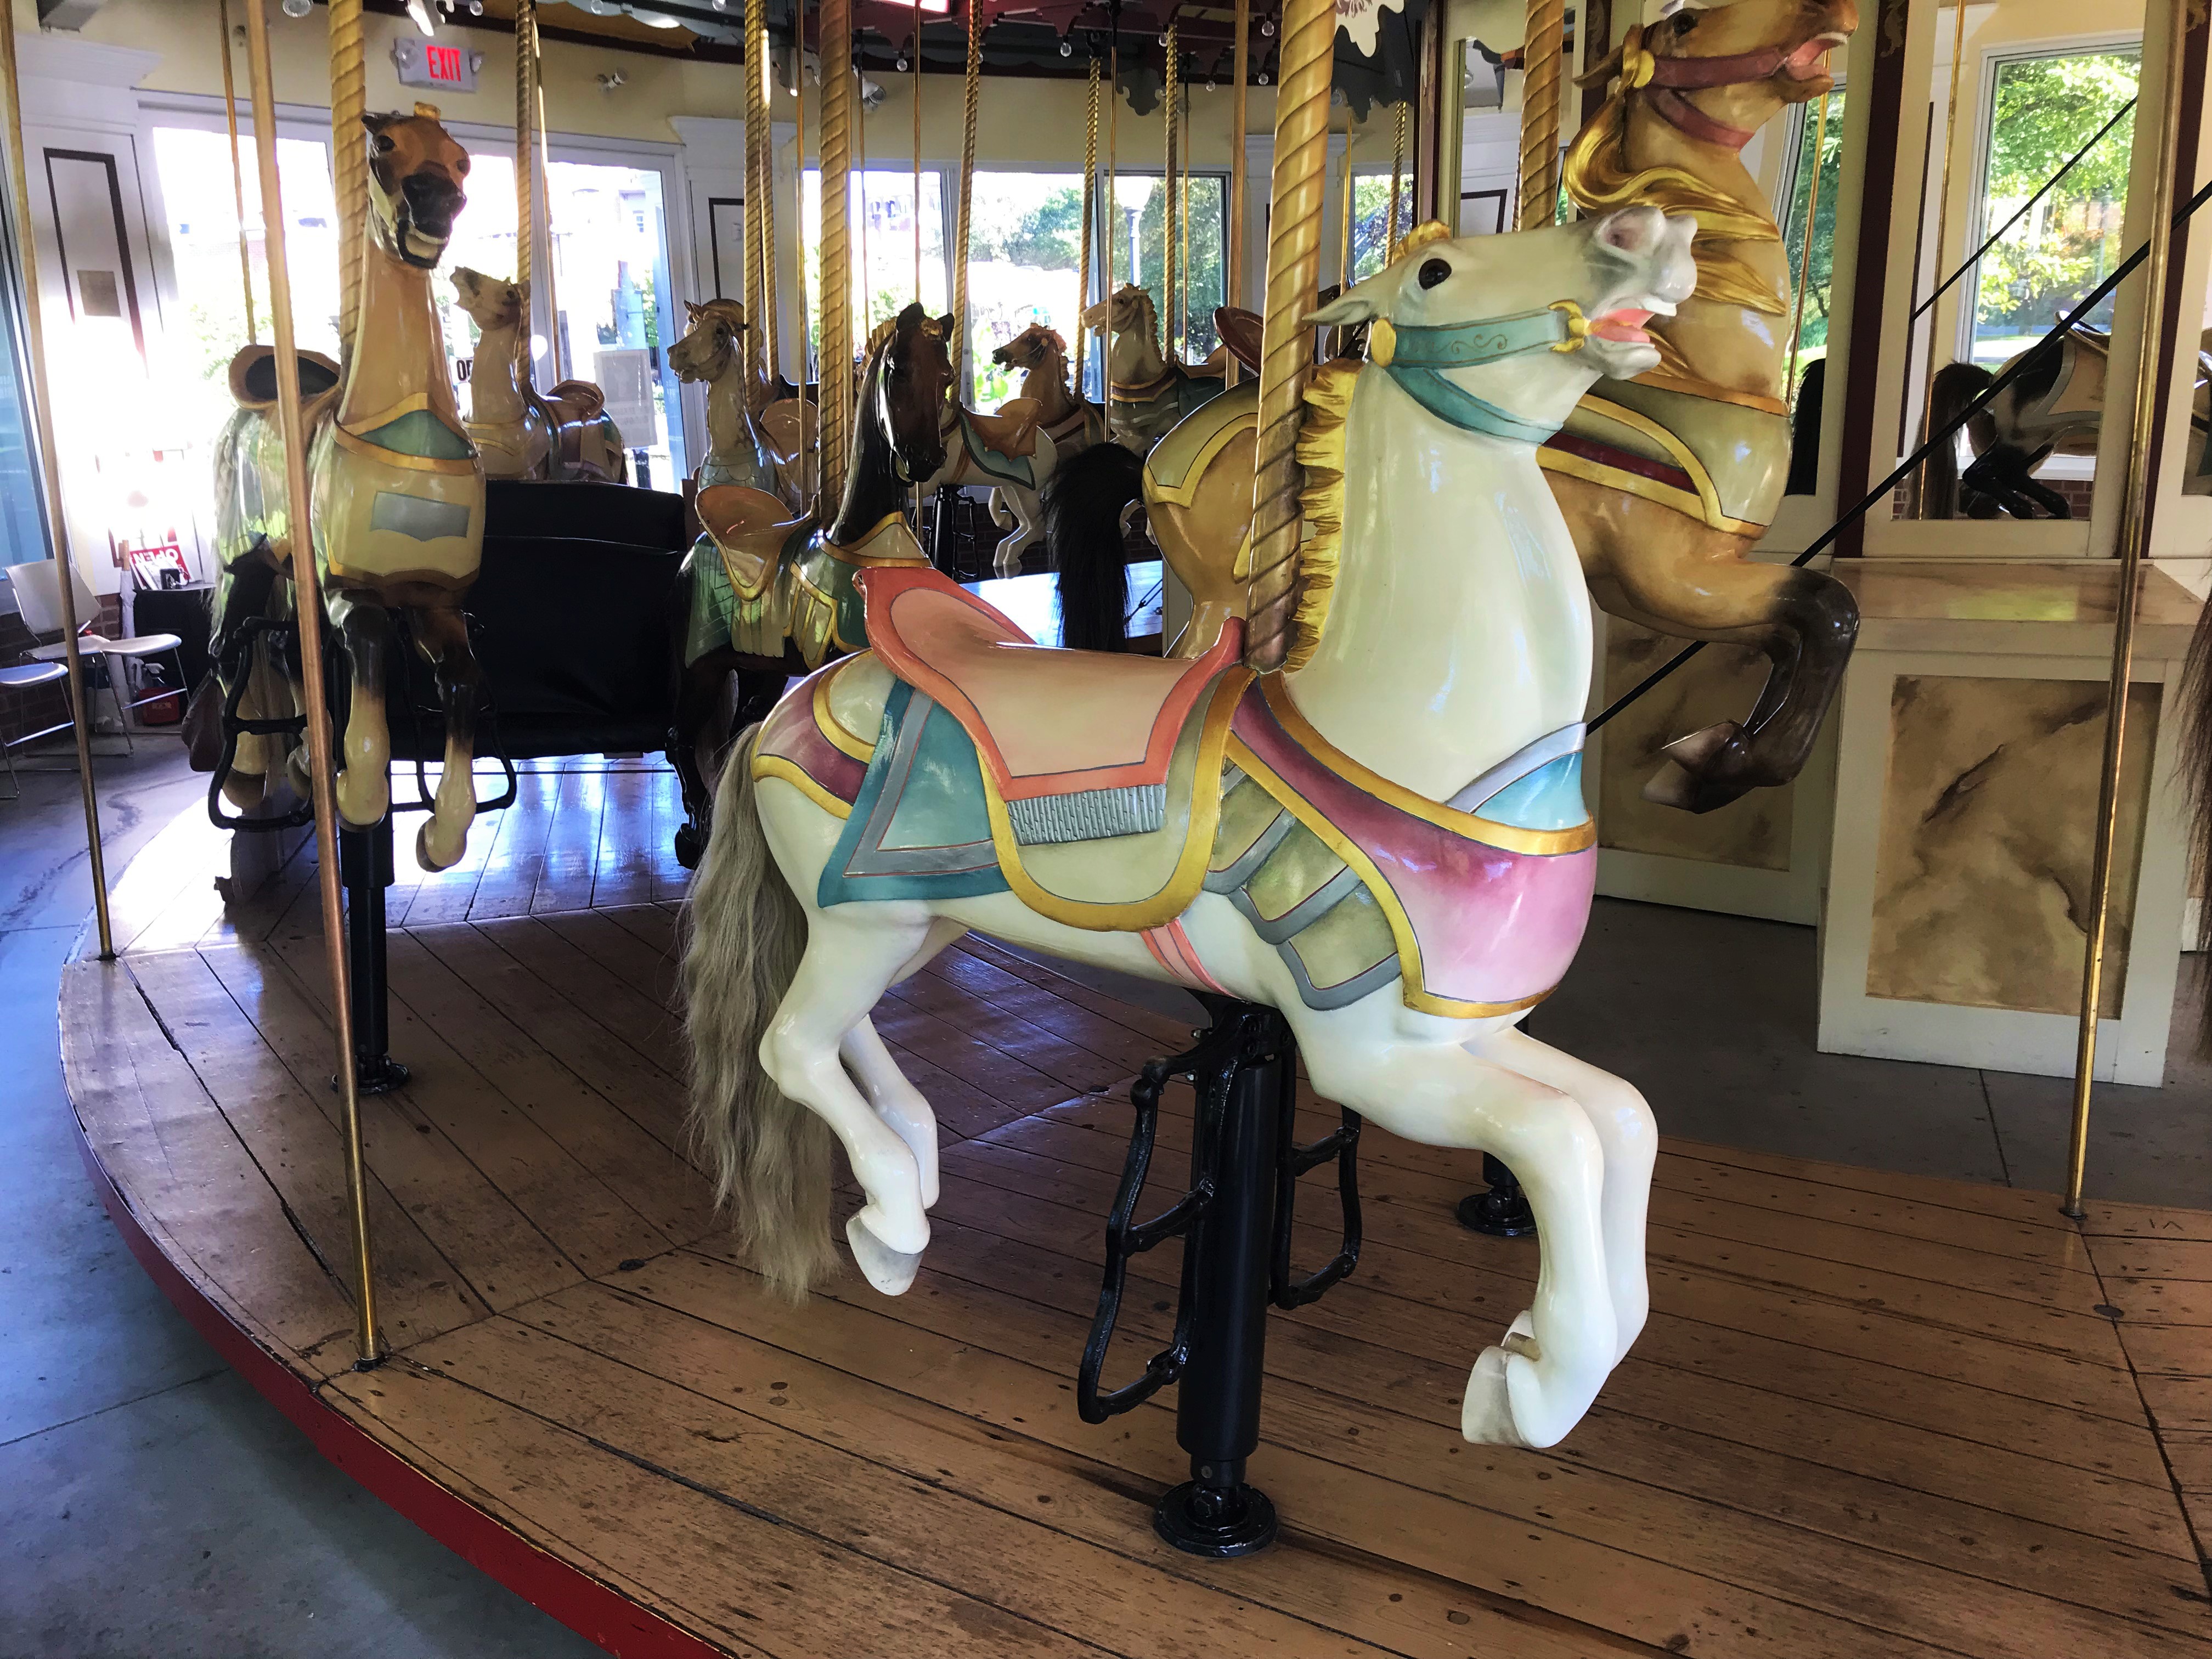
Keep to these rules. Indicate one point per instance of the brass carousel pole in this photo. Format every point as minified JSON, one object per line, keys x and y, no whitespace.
{"x":760,"y":383}
{"x":1943,"y":217}
{"x":917,"y":149}
{"x":1168,"y":310}
{"x":834,"y":34}
{"x":1397,"y":188}
{"x":808,"y":459}
{"x":237,"y":169}
{"x":321,"y":752}
{"x":348,"y":162}
{"x":1090,"y":219}
{"x":1344,"y":235}
{"x":1112,"y":155}
{"x":1541,"y":58}
{"x":2133,"y":524}
{"x":50,"y":476}
{"x":971,"y":98}
{"x":526,"y":180}
{"x":1238,"y":95}
{"x":1294,"y":232}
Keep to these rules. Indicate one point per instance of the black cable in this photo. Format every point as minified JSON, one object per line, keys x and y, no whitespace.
{"x":2020,"y":364}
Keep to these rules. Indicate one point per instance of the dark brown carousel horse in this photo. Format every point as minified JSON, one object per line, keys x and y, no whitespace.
{"x":769,"y":595}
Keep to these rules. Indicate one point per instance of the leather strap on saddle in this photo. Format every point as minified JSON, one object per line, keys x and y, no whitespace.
{"x":1045,"y":721}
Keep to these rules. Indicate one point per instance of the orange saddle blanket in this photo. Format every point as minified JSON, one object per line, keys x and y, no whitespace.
{"x":1045,"y":721}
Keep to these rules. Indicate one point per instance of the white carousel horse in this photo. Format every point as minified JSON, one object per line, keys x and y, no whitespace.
{"x":1151,"y":394}
{"x":562,"y":436}
{"x":1388,"y":841}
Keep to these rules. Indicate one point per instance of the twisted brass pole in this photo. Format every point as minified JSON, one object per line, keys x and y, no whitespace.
{"x":50,"y":480}
{"x":809,"y":457}
{"x":525,"y":181}
{"x":770,"y":321}
{"x":834,"y":35}
{"x":1089,"y":217}
{"x":348,"y":162}
{"x":2134,"y":527}
{"x":1294,"y":231}
{"x":1169,"y":310}
{"x":1805,"y":251}
{"x":237,"y":170}
{"x":1238,"y":89}
{"x":917,"y":61}
{"x":757,"y":254}
{"x":972,"y":92}
{"x":1397,"y":185}
{"x":1344,"y":235}
{"x":1544,"y":48}
{"x":1182,"y":219}
{"x":1113,"y":155}
{"x":320,"y":749}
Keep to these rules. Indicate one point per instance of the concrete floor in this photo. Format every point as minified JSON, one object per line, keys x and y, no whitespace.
{"x":154,"y":1507}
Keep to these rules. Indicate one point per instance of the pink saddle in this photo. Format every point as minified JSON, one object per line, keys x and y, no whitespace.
{"x":1046,"y":721}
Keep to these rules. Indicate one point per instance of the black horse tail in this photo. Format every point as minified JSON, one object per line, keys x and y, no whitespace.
{"x":1084,"y":502}
{"x":1956,"y":386}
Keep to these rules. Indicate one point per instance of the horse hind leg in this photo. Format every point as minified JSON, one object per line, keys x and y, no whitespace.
{"x":364,"y":784}
{"x":441,"y":634}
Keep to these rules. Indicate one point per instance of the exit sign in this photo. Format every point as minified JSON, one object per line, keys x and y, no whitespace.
{"x":426,"y":63}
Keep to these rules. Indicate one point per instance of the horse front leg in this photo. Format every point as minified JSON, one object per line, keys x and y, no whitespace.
{"x":1021,"y":507}
{"x":692,"y":745}
{"x":1668,"y":571}
{"x":1537,"y":1384}
{"x":364,"y":786}
{"x":441,"y":634}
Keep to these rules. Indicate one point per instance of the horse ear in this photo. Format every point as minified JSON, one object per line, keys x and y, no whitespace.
{"x":945,"y":324}
{"x":693,"y":308}
{"x":1365,"y":301}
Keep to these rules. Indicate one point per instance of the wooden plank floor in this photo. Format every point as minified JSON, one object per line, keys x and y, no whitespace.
{"x":1873,"y":1416}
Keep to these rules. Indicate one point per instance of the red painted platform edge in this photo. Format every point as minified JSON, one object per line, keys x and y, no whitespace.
{"x":595,"y":1611}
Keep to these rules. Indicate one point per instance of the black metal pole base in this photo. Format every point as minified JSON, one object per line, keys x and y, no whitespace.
{"x":1502,"y":1210}
{"x":378,"y":1074}
{"x":1219,"y":1521}
{"x":365,"y":864}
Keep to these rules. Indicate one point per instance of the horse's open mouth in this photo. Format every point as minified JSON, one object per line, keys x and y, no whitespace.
{"x":1809,"y":62}
{"x":1626,"y":325}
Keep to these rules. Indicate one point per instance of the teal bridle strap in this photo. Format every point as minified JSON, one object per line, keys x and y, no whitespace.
{"x":1416,"y":358}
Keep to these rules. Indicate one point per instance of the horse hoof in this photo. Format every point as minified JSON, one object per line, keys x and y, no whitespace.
{"x":889,"y":1271}
{"x":364,"y":798}
{"x":690,"y":846}
{"x":428,"y":859}
{"x":1485,"y":1416}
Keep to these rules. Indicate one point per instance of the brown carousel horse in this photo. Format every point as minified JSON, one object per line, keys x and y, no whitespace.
{"x":1041,"y":354}
{"x":1667,"y":480}
{"x":397,"y":495}
{"x":770,"y":594}
{"x":1150,"y":393}
{"x":560,"y":436}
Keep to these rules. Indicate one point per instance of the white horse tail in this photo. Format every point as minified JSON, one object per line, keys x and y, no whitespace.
{"x":771,"y":1157}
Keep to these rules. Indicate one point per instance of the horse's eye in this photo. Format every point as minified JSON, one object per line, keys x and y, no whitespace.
{"x":1685,"y":21}
{"x":1434,"y":271}
{"x":384,"y":145}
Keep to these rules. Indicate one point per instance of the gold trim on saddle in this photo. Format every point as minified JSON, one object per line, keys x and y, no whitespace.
{"x":1471,"y":825}
{"x":1148,"y":389}
{"x":1690,"y":386}
{"x":851,"y":554}
{"x":775,"y":766}
{"x":353,"y":444}
{"x":826,"y":722}
{"x":1178,"y":462}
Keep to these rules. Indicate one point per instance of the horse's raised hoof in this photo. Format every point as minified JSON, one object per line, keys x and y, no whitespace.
{"x":890,"y":1271}
{"x":690,"y":846}
{"x":1485,"y":1416}
{"x":365,"y":796}
{"x":1692,"y":777}
{"x":431,"y":854}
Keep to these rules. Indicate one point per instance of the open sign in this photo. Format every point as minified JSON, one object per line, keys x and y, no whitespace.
{"x":426,"y":63}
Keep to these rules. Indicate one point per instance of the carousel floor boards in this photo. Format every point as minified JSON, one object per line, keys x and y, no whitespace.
{"x":1873,"y":1415}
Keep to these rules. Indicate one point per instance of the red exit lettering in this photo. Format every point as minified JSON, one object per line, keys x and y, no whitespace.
{"x":444,"y":62}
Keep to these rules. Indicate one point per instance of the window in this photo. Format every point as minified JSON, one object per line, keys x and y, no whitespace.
{"x":1370,"y":219}
{"x":610,"y":281}
{"x":23,"y":516}
{"x":1797,"y":187}
{"x":1140,"y":238}
{"x":1024,"y":239}
{"x":2042,"y":110}
{"x":879,"y":209}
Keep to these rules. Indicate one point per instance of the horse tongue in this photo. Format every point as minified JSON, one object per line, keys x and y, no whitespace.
{"x":1622,"y":325}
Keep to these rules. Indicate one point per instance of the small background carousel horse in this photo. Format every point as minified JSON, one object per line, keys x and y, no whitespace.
{"x":1072,"y":424}
{"x":1011,"y":452}
{"x":1151,"y":394}
{"x":396,"y":490}
{"x":753,"y":437}
{"x":770,"y":594}
{"x":2056,"y":408}
{"x":1387,"y":842}
{"x":564,"y":436}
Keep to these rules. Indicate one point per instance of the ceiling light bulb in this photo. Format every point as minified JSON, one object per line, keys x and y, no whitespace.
{"x":476,"y":8}
{"x":1066,"y":50}
{"x":901,"y":63}
{"x":1268,"y":28}
{"x":298,"y":8}
{"x":1262,"y":77}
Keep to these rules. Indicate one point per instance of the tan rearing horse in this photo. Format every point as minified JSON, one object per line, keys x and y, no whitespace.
{"x":1669,"y":481}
